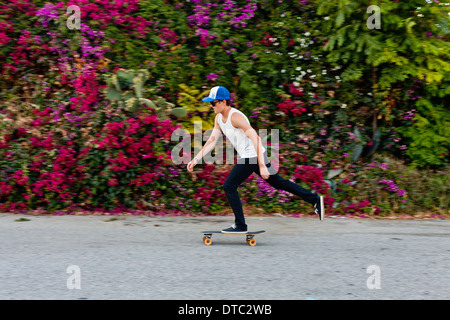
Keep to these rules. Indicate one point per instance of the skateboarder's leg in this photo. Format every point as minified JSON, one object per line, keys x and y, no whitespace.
{"x":238,"y":174}
{"x":276,"y":181}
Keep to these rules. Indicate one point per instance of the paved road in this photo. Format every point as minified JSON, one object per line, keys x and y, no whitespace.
{"x":165,"y":258}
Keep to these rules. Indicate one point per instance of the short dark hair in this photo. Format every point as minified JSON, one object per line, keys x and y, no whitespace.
{"x":228,"y":101}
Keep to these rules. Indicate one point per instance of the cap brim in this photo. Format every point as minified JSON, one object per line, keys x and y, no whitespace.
{"x":207,"y":99}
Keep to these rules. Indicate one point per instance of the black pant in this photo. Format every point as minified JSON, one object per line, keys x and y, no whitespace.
{"x":242,"y":170}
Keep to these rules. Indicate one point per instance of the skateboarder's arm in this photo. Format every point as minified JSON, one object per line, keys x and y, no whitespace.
{"x":238,"y":121}
{"x":209,"y":145}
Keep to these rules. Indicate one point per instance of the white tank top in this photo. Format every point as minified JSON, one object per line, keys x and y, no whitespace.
{"x":242,"y":143}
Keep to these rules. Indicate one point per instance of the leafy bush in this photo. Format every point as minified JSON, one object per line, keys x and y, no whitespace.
{"x":87,"y":115}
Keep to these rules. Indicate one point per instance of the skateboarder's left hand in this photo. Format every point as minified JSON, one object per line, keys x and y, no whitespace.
{"x":264,"y":172}
{"x":190,"y":166}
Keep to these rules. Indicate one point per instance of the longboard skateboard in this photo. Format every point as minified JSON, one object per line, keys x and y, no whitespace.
{"x":248,"y":235}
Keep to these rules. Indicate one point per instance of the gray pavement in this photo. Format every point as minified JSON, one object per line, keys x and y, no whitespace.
{"x":165,"y":258}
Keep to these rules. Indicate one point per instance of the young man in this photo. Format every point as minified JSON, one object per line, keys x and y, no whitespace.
{"x":253,"y":158}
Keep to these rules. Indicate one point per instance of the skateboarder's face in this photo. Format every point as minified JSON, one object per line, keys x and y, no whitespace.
{"x":218,"y":105}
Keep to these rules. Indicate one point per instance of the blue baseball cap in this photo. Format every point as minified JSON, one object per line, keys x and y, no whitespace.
{"x":217,"y":93}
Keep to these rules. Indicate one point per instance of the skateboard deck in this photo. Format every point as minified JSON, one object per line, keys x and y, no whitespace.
{"x":249,"y":235}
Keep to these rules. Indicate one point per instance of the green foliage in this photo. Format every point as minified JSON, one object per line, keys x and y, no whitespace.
{"x":409,"y":45}
{"x":388,"y":50}
{"x":126,"y":88}
{"x":190,"y":100}
{"x":340,"y":94}
{"x":429,"y":136}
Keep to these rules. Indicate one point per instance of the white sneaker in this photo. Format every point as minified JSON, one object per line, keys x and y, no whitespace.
{"x":320,"y":208}
{"x":233,"y":229}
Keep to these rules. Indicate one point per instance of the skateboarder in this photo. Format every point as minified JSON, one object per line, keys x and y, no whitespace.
{"x":253,"y":158}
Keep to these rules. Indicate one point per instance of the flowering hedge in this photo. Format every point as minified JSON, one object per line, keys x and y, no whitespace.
{"x":347,"y":115}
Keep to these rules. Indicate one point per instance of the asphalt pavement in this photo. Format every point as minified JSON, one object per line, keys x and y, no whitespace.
{"x":132,"y":257}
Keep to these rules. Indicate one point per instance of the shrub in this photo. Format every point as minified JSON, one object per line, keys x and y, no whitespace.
{"x":86,"y":115}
